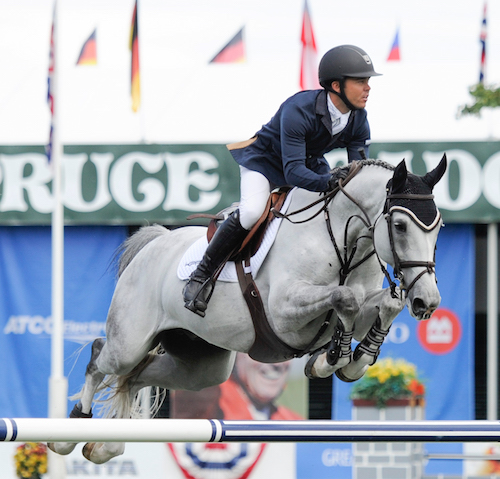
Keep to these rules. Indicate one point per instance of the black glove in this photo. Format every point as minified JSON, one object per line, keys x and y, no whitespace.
{"x":336,"y":174}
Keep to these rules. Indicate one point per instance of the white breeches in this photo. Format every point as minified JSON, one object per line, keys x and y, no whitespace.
{"x":255,"y":189}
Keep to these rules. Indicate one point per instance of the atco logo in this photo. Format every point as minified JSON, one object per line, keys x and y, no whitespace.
{"x":441,"y":333}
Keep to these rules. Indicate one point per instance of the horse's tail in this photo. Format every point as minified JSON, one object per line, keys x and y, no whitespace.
{"x":132,"y":245}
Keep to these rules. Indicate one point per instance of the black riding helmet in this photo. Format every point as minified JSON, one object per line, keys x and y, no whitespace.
{"x":344,"y":61}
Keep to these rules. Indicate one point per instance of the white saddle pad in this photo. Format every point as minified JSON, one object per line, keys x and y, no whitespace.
{"x":196,"y":251}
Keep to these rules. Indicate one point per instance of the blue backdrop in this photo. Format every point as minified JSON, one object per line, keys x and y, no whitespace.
{"x":25,"y":309}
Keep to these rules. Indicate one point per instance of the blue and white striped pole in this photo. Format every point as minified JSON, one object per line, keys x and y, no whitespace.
{"x":210,"y":430}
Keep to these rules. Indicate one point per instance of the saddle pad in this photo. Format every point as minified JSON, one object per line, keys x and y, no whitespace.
{"x":228,"y":274}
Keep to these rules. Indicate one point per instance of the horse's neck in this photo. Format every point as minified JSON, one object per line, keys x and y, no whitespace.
{"x":368,"y":192}
{"x":367,"y":189}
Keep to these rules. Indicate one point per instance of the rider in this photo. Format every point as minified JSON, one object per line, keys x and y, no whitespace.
{"x":289,"y":151}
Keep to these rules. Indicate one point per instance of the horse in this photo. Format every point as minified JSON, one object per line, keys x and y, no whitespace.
{"x":321,"y":285}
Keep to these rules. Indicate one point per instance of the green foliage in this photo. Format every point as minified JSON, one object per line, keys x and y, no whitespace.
{"x":488,"y":97}
{"x":389,"y":379}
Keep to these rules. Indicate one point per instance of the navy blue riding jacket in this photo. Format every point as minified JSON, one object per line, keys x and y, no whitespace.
{"x":289,"y":150}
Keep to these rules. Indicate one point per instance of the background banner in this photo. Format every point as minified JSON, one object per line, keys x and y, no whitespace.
{"x":25,"y":309}
{"x":136,"y":184}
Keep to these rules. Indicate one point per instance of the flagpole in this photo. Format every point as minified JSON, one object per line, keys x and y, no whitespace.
{"x":58,"y":386}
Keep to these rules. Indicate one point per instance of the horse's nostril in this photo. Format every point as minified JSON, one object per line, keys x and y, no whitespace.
{"x":418,"y":306}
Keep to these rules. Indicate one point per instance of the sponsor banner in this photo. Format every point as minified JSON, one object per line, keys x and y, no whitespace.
{"x":25,"y":309}
{"x":138,"y":184}
{"x":139,"y":461}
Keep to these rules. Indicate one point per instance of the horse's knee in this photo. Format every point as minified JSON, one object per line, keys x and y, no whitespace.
{"x":389,"y":308}
{"x":344,"y":302}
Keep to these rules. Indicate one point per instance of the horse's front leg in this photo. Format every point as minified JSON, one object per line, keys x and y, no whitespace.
{"x":337,"y":354}
{"x":381,"y":317}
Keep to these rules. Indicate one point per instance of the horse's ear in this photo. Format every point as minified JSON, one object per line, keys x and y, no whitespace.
{"x":436,"y":174}
{"x":399,"y":178}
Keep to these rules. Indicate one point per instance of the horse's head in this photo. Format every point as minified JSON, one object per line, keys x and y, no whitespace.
{"x":407,"y":241}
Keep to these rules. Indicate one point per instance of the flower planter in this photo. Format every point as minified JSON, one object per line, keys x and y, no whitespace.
{"x":381,"y":459}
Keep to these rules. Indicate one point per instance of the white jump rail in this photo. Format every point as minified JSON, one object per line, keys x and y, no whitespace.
{"x":211,"y":430}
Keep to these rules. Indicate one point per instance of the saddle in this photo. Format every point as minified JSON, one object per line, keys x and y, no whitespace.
{"x":267,"y":346}
{"x":254,"y":238}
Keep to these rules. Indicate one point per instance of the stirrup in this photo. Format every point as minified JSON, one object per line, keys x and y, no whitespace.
{"x":197,"y":304}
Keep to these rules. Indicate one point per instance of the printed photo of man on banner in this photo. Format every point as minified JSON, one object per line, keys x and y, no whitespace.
{"x":254,"y":391}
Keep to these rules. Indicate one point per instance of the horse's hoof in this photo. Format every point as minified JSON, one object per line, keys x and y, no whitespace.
{"x":357,"y":373}
{"x":88,"y":453}
{"x":62,"y":448}
{"x":100,"y":452}
{"x":344,"y":378}
{"x":308,"y":369}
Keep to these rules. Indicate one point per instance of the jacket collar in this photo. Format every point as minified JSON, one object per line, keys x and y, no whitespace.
{"x":322,"y":111}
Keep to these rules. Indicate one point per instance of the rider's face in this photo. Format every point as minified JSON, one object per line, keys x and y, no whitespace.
{"x":356,"y":90}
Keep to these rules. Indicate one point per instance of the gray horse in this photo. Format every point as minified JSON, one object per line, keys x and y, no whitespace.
{"x":320,"y":284}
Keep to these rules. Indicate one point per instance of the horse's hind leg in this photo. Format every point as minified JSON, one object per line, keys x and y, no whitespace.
{"x":83,"y":409}
{"x":192,"y":364}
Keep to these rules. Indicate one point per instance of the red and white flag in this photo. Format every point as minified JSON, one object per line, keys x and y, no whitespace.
{"x":309,"y":60}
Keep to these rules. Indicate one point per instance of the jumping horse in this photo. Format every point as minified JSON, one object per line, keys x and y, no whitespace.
{"x":321,"y":285}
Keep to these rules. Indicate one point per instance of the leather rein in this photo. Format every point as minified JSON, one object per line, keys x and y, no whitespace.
{"x":346,"y":259}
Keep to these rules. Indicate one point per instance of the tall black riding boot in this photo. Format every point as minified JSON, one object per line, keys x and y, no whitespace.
{"x":227,"y":238}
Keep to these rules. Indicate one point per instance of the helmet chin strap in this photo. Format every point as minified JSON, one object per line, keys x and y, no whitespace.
{"x":343,"y":96}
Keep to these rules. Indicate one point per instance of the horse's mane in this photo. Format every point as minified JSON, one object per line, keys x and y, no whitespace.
{"x":369,"y":162}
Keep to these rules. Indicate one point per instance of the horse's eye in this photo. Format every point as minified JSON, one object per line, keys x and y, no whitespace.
{"x":400,"y":226}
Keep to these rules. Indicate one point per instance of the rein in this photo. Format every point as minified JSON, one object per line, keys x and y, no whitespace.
{"x":346,"y":259}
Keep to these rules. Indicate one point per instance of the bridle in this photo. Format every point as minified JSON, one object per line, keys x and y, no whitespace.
{"x":399,"y":266}
{"x":346,"y":259}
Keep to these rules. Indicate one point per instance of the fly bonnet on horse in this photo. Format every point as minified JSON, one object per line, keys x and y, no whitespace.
{"x":412,"y":195}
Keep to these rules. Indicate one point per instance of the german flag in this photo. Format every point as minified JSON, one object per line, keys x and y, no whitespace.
{"x":233,"y":51}
{"x":135,"y":83}
{"x":88,"y":54}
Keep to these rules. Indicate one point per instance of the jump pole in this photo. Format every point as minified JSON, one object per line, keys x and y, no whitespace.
{"x":212,"y":430}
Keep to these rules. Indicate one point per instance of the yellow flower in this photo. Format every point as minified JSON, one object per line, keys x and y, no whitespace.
{"x":389,"y":379}
{"x":31,"y":459}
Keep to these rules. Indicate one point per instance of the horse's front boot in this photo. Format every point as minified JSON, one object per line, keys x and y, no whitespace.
{"x":365,"y":354}
{"x":337,"y":354}
{"x":199,"y":288}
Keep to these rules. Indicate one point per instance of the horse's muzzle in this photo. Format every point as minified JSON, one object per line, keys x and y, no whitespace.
{"x":421,"y":310}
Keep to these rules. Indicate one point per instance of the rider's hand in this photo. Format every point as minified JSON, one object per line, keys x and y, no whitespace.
{"x":336,"y":174}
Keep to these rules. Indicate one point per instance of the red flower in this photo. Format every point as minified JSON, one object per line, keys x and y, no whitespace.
{"x":417,"y":388}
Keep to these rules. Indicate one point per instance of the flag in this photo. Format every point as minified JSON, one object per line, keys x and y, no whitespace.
{"x":50,"y":85}
{"x":482,"y":40}
{"x":135,"y":83}
{"x":309,"y":61}
{"x":233,"y":51}
{"x":88,"y":53}
{"x":394,"y":54}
